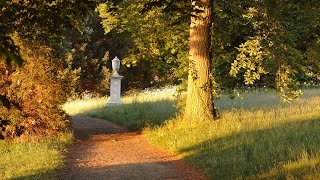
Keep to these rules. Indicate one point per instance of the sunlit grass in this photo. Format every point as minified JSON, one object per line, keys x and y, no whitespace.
{"x":258,"y":137}
{"x":277,"y":141}
{"x":137,"y":111}
{"x":84,"y":105}
{"x":259,"y":99}
{"x":33,"y":160}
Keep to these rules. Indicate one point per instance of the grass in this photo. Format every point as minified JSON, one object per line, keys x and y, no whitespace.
{"x":84,"y":105}
{"x":257,"y":99}
{"x":33,"y":160}
{"x":257,"y":137}
{"x":136,"y":112}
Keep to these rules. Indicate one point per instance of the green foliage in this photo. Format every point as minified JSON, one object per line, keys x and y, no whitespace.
{"x":8,"y":57}
{"x":272,"y":43}
{"x":41,"y":33}
{"x":48,"y":20}
{"x":63,"y":25}
{"x":110,"y":21}
{"x":276,"y":46}
{"x":89,"y":56}
{"x":251,"y":58}
{"x":159,"y":46}
{"x":228,"y":31}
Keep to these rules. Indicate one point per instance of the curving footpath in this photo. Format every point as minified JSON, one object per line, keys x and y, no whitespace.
{"x":106,"y":151}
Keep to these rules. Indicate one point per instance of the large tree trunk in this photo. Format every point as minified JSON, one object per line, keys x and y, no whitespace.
{"x":199,"y":96}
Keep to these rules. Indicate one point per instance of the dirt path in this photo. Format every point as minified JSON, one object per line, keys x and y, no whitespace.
{"x":106,"y":151}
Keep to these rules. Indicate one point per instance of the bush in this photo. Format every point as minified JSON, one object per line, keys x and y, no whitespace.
{"x":35,"y":92}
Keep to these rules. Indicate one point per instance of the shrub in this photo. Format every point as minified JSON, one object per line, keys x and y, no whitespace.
{"x":35,"y":92}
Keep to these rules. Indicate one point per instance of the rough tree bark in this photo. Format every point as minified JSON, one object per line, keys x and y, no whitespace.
{"x":199,"y":95}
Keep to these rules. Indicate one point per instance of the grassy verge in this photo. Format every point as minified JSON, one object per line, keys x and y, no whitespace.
{"x":256,"y":138}
{"x":33,"y":160}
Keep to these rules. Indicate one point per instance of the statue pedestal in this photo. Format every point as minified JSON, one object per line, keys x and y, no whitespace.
{"x":115,"y":90}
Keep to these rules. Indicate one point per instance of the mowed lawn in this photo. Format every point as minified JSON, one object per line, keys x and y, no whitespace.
{"x":257,"y":137}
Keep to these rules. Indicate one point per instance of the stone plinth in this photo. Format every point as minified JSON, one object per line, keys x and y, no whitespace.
{"x":115,"y":90}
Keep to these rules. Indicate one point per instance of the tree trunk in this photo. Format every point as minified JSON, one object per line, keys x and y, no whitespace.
{"x":199,"y":95}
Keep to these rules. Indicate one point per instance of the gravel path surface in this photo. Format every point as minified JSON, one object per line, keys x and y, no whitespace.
{"x":106,"y":151}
